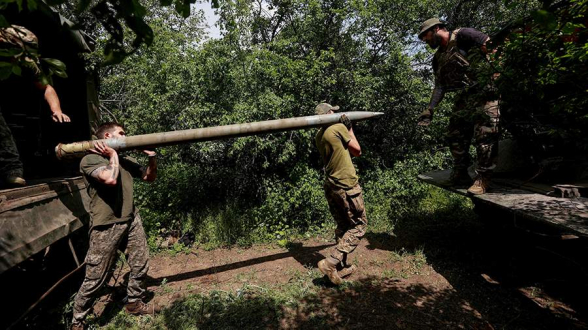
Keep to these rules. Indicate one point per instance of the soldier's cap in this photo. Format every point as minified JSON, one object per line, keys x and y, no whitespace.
{"x":323,"y":108}
{"x":18,"y":36}
{"x":428,"y":24}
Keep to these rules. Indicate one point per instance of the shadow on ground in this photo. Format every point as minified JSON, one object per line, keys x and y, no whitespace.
{"x":304,"y":255}
{"x":371,"y":303}
{"x":514,"y":277}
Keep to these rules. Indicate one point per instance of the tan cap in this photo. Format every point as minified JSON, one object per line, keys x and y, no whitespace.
{"x":18,"y":36}
{"x":431,"y":22}
{"x":323,"y":108}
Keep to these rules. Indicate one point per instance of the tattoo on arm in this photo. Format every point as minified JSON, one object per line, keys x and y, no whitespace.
{"x":114,"y":167}
{"x":96,"y":173}
{"x":111,"y":170}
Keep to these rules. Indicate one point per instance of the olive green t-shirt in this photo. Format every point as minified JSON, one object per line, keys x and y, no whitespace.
{"x":332,"y":144}
{"x":110,"y":204}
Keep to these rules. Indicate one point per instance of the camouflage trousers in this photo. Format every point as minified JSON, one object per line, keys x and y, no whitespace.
{"x":101,"y":257}
{"x":10,"y":163}
{"x":477,"y":117}
{"x":348,"y":210}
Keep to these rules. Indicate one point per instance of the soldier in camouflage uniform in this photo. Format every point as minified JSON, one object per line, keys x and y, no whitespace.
{"x":116,"y":223}
{"x":336,"y":143}
{"x":460,"y":66}
{"x":23,"y":45}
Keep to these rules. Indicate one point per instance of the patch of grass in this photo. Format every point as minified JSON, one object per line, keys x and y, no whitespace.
{"x":164,"y":287}
{"x":122,"y":320}
{"x":248,"y":307}
{"x":247,"y":277}
{"x":178,"y":248}
{"x":390,"y":273}
{"x":412,"y":262}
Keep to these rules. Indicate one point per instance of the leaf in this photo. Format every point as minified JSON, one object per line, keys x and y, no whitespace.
{"x":10,"y":52}
{"x":45,"y":79}
{"x":5,"y":72}
{"x":570,"y":28}
{"x":32,"y":5}
{"x":3,"y":21}
{"x":113,"y":55}
{"x":545,"y":19}
{"x":60,"y":74}
{"x":83,"y":5}
{"x":16,"y":70}
{"x":55,"y":63}
{"x":183,"y":8}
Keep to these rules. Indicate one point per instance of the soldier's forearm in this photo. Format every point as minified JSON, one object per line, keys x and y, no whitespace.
{"x":108,"y":174}
{"x":150,"y":172}
{"x":436,"y":97}
{"x":52,"y":99}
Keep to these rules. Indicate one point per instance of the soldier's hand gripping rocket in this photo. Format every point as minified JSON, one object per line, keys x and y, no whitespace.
{"x":346,"y":121}
{"x":425,"y":117}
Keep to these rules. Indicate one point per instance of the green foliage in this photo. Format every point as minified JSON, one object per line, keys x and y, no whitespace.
{"x":394,"y":194}
{"x":279,"y":63}
{"x":544,"y":65}
{"x":297,"y":204}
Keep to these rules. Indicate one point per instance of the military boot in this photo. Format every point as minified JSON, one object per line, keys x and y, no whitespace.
{"x":138,"y":307}
{"x":460,"y":177}
{"x":480,"y":186}
{"x":330,"y":269}
{"x":346,"y":271}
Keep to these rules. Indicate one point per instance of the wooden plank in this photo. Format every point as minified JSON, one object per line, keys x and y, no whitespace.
{"x":570,"y":214}
{"x":28,"y":224}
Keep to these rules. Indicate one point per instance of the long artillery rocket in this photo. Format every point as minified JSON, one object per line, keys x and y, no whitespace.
{"x":146,"y":141}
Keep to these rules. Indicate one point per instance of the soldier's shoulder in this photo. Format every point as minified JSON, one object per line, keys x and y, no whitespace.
{"x":338,"y":126}
{"x":92,"y":159}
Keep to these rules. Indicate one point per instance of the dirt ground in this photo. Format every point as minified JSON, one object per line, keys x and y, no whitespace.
{"x":442,"y":276}
{"x":436,"y":274}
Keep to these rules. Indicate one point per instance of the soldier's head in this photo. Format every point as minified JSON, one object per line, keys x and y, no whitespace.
{"x":325,"y":108}
{"x":110,"y":130}
{"x":434,"y":33}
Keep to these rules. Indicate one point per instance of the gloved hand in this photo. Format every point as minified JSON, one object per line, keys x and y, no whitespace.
{"x":345,"y":121}
{"x":425,"y":117}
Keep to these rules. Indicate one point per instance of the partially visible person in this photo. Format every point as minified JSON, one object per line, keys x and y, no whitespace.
{"x":336,"y":144}
{"x":22,"y":42}
{"x":115,"y":224}
{"x":460,"y":66}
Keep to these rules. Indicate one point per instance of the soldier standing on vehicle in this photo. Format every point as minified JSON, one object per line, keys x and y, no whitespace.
{"x":23,"y":44}
{"x":115,"y":223}
{"x":336,"y":143}
{"x":460,"y":66}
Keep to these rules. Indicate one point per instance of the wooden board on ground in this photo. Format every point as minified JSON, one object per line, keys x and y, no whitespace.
{"x":36,"y":216}
{"x":569,"y":214}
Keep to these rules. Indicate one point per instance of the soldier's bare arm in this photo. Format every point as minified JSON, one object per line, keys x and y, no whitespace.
{"x":107,"y":174}
{"x":427,"y":115}
{"x":353,"y":145}
{"x":52,"y":99}
{"x":150,"y":172}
